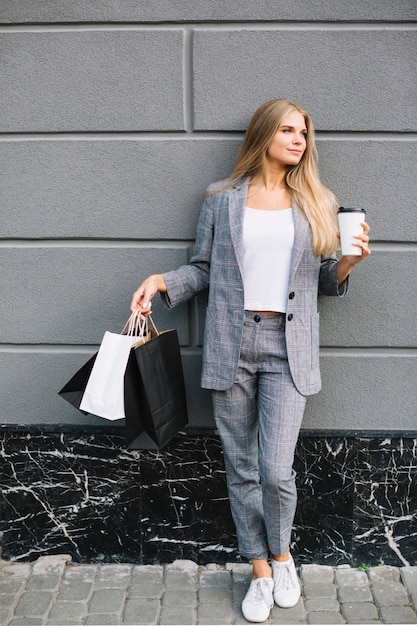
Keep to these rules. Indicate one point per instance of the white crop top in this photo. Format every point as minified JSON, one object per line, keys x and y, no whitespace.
{"x":268,"y":238}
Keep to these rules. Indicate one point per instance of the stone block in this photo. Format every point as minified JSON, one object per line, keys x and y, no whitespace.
{"x":398,"y":615}
{"x":319,"y":590}
{"x":114,"y":577}
{"x":107,"y":601}
{"x":77,"y":284}
{"x":389,"y":594}
{"x":367,"y":374}
{"x":35,"y":11}
{"x":311,"y":573}
{"x":214,"y":613}
{"x":142,"y":189}
{"x":183,"y":598}
{"x":33,"y":603}
{"x":141,"y":611}
{"x":355,"y":594}
{"x":67,"y":613}
{"x":325,"y":617}
{"x":359,"y":612}
{"x":350,"y":577}
{"x":321,"y":604}
{"x":179,"y":614}
{"x":52,"y":81}
{"x":220,"y":55}
{"x":102,"y":619}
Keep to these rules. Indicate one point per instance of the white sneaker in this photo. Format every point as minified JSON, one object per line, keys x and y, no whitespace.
{"x":286,"y":586}
{"x":258,"y":602}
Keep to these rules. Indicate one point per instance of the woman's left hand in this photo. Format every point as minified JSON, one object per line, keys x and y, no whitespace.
{"x":362,"y":243}
{"x":347,"y":262}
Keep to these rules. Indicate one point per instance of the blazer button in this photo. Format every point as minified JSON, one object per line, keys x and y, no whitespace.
{"x":289,"y":318}
{"x":291,"y":296}
{"x":257,"y":318}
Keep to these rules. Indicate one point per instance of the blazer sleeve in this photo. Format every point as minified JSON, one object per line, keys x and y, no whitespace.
{"x":188,"y":280}
{"x":328,"y":283}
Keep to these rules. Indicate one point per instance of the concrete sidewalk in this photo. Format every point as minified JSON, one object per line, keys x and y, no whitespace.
{"x":53,"y":591}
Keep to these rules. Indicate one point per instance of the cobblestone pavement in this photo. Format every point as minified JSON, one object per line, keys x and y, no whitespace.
{"x":53,"y":591}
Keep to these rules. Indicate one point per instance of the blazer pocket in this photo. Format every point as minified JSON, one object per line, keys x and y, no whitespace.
{"x":315,"y":340}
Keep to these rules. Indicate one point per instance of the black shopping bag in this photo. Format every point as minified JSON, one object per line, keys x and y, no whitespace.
{"x":98,"y":387}
{"x":73,"y":391}
{"x":155,"y":401}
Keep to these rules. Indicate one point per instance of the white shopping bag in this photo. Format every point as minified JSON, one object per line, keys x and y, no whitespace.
{"x":104,"y":393}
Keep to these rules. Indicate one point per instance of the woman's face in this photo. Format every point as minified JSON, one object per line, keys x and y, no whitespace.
{"x":290,"y":141}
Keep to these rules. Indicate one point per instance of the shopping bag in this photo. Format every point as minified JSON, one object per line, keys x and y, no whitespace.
{"x":73,"y":391}
{"x":155,"y":400}
{"x":98,"y":387}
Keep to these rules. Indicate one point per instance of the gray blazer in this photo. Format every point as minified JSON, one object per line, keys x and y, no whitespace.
{"x":217,"y":263}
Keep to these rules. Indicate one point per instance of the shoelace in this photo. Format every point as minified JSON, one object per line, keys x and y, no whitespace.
{"x":259,"y":591}
{"x":285,"y":580}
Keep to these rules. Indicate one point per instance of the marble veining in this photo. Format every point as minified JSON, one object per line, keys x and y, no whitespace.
{"x":86,"y":495}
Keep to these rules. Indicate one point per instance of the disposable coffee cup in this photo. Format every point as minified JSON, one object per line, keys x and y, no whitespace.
{"x":350,"y":225}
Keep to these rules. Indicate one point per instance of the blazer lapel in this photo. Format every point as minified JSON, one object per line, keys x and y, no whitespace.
{"x":301,"y":237}
{"x":237,"y":203}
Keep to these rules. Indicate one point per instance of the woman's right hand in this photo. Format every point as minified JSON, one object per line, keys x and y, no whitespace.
{"x":145,"y":292}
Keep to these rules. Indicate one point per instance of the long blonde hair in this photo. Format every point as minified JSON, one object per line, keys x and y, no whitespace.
{"x":316,"y":201}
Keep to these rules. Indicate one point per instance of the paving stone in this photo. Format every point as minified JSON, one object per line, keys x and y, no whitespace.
{"x":33,"y":603}
{"x":359,"y":612}
{"x":83,"y":573}
{"x":7,"y":599}
{"x":102,"y":619}
{"x":5,"y":612}
{"x":354,"y":594}
{"x":180,"y":574}
{"x":317,"y":574}
{"x":11,"y":585}
{"x":107,"y":601}
{"x":147,"y":581}
{"x":214,"y":613}
{"x":294,"y":615}
{"x":398,"y":615}
{"x":114,"y":577}
{"x":350,"y":577}
{"x":147,"y":574}
{"x":185,"y":598}
{"x":322,"y":604}
{"x":146,"y":590}
{"x":215,"y":594}
{"x":409,"y":577}
{"x":389,"y":594}
{"x":329,"y":617}
{"x":325,"y":590}
{"x":383,"y":573}
{"x":43,"y":582}
{"x":217,"y":578}
{"x":74,"y":590}
{"x":177,"y":615}
{"x":15,"y":571}
{"x":141,"y":611}
{"x":67,"y":613}
{"x":55,"y":564}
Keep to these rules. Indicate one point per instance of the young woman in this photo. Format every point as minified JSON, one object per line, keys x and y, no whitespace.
{"x":265,"y":249}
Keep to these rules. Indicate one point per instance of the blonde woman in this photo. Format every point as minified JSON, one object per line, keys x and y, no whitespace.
{"x":265,"y":249}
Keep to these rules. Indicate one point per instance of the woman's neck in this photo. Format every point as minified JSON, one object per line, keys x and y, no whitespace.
{"x":270,"y":181}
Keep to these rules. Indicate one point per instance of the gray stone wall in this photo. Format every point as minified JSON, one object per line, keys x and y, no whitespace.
{"x":115,"y":116}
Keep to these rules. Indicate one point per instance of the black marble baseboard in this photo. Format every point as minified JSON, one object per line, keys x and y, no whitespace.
{"x":82,"y":493}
